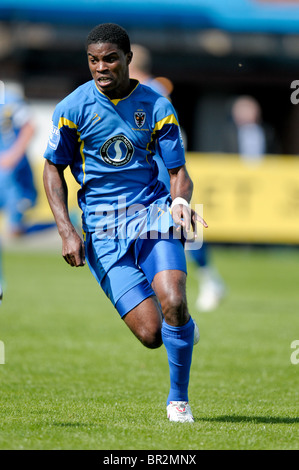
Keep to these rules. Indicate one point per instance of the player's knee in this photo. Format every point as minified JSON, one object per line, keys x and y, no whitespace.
{"x":151,"y":339}
{"x":175,"y":307}
{"x":145,"y":322}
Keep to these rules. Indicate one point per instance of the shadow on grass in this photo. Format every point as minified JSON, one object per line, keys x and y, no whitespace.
{"x":251,"y":419}
{"x":216,"y":419}
{"x":73,"y":425}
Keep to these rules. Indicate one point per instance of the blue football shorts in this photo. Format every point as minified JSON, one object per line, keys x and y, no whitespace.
{"x":128,"y":282}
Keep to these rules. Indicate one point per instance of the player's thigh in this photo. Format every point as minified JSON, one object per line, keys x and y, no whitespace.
{"x":164,"y":263}
{"x":165,"y":253}
{"x":128,"y":289}
{"x":123,"y":282}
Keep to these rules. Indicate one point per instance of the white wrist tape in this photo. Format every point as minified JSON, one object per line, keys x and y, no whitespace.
{"x":179,"y":200}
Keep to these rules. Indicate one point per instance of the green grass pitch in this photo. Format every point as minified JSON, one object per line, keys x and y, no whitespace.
{"x":75,"y":377}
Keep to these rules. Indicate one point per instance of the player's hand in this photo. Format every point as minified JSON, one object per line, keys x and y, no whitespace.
{"x":186,"y":218}
{"x":73,"y":250}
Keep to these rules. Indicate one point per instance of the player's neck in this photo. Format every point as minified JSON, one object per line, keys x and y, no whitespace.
{"x":122,"y":92}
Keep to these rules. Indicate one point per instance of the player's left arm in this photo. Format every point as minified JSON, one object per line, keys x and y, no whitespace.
{"x":181,"y":188}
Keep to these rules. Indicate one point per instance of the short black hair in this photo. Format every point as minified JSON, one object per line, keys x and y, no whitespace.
{"x":112,"y":33}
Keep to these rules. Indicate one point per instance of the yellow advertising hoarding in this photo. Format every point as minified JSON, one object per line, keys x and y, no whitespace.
{"x":247,"y":202}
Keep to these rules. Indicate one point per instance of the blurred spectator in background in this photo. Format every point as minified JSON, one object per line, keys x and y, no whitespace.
{"x":211,"y":288}
{"x":141,"y":69}
{"x":247,"y":135}
{"x":17,"y":188}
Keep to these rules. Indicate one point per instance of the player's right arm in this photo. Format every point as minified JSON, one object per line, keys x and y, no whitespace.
{"x":11,"y":157}
{"x":57,"y":192}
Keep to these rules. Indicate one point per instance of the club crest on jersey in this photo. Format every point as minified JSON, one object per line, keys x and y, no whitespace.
{"x":117,"y":151}
{"x":139,"y":117}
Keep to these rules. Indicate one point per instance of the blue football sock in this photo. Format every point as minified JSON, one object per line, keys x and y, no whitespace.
{"x":178,"y":341}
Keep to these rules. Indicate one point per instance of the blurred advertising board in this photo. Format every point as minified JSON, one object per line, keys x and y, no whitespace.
{"x":247,"y":202}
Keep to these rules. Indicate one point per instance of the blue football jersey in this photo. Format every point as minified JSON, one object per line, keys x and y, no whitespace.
{"x":110,"y":147}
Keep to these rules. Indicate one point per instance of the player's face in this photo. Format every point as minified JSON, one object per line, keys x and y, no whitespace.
{"x":109,"y":67}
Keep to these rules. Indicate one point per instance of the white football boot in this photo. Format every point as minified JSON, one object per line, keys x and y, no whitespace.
{"x":196,"y":333}
{"x":180,"y":412}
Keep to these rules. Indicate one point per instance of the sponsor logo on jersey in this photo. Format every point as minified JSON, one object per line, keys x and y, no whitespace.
{"x":117,"y":151}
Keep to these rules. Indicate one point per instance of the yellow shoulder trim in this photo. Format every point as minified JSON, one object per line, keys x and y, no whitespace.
{"x":171,"y":119}
{"x":66,"y":122}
